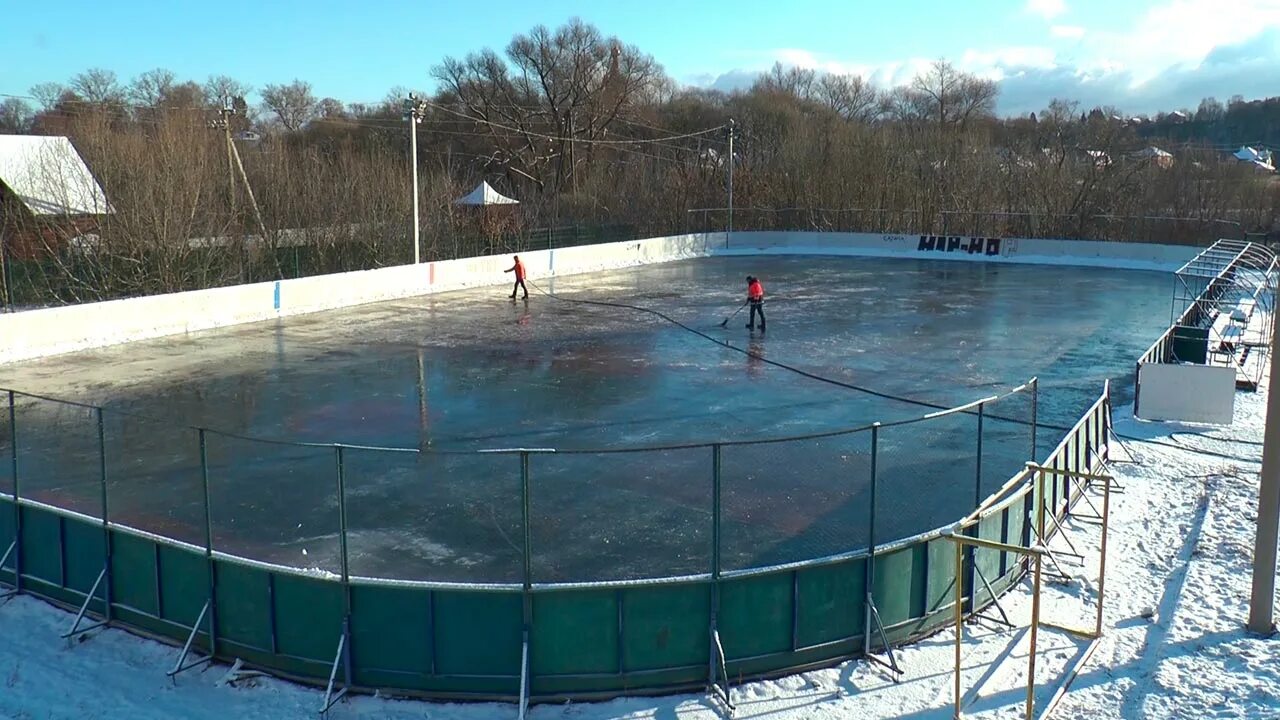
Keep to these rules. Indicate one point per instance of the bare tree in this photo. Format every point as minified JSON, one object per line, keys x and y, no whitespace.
{"x":99,"y":87}
{"x":222,"y":91}
{"x":565,"y":86}
{"x":293,"y":104}
{"x":947,"y":96}
{"x":16,"y":116}
{"x":795,"y":81}
{"x":48,"y":94}
{"x":150,"y":88}
{"x":849,"y":96}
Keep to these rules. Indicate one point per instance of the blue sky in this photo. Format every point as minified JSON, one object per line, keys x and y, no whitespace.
{"x":1139,"y":56}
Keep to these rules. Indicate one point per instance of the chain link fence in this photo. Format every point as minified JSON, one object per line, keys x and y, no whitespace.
{"x":513,"y":515}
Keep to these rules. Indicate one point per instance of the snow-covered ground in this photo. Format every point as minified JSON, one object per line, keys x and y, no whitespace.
{"x":1174,"y":644}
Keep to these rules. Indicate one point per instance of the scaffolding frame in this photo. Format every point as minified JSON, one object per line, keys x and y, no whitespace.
{"x":1035,"y":553}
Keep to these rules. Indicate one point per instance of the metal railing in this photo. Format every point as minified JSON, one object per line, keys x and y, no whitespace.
{"x":1230,"y":269}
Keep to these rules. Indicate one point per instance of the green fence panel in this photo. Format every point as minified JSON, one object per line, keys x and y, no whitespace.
{"x":309,"y":614}
{"x":184,"y":585}
{"x":244,"y":605}
{"x":666,"y":627}
{"x":574,"y":632}
{"x":831,"y":602}
{"x":85,"y":554}
{"x":391,"y":636}
{"x":755,"y":615}
{"x":41,"y":545}
{"x":8,"y":532}
{"x":478,"y":633}
{"x":1017,"y":515}
{"x":988,"y":560}
{"x":941,"y":588}
{"x":899,"y":588}
{"x":133,"y":573}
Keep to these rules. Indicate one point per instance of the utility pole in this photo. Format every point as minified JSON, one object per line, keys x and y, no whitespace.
{"x":1262,"y":601}
{"x":414,"y":109}
{"x":732,"y":131}
{"x":224,"y":120}
{"x":223,"y":123}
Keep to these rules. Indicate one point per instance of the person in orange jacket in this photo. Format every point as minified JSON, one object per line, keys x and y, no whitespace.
{"x":755,"y":297}
{"x":518,"y":269}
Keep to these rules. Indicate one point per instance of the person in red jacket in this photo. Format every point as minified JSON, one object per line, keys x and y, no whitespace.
{"x":518,"y":269}
{"x":755,"y":297}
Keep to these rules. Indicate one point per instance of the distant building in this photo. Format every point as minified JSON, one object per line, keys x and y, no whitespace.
{"x":1100,"y":158}
{"x":1156,"y":156}
{"x":1261,"y":160}
{"x":48,"y":198}
{"x":1179,"y":117}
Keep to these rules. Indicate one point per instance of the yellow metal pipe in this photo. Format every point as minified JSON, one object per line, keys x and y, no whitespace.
{"x":992,"y":544}
{"x":1102,"y":550}
{"x":1070,"y":473}
{"x":1031,"y":656}
{"x":959,"y":606}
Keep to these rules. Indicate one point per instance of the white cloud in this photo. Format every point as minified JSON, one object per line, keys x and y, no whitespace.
{"x":1171,"y":55}
{"x":1047,"y":9}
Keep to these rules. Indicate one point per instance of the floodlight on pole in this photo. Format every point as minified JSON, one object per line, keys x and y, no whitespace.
{"x":414,"y":109}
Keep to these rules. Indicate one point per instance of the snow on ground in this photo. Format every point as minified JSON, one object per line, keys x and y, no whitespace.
{"x":1174,"y":644}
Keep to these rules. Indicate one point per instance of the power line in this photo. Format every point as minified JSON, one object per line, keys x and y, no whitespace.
{"x":572,"y":139}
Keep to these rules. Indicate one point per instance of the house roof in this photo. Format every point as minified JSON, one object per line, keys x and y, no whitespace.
{"x":49,"y":177}
{"x":484,"y":194}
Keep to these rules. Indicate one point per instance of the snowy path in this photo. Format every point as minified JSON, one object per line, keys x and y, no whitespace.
{"x":1174,"y":645}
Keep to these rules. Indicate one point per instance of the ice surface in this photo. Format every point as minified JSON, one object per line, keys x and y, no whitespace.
{"x":473,"y":370}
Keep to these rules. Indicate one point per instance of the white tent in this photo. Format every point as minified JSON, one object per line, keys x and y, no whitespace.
{"x":485,"y":195}
{"x":48,"y":176}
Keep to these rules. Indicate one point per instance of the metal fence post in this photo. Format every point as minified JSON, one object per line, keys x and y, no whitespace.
{"x":869,"y":574}
{"x":340,"y":460}
{"x":106,"y":525}
{"x":208,"y":543}
{"x":1035,"y":400}
{"x":527,"y":574}
{"x":715,"y":563}
{"x":971,"y":552}
{"x":17,"y":494}
{"x":977,"y":480}
{"x":715,"y":511}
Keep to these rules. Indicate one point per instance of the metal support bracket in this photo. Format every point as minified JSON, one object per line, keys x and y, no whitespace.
{"x":1061,"y":531}
{"x":720,"y":680}
{"x":995,"y":599}
{"x":1044,"y":546}
{"x":873,"y":619}
{"x":13,"y":546}
{"x":84,"y":608}
{"x":339,"y":658}
{"x":181,"y":665}
{"x":1084,"y":495}
{"x":524,"y":676}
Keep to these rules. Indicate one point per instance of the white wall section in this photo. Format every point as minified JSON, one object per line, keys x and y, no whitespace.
{"x":1187,"y":393}
{"x":38,"y":333}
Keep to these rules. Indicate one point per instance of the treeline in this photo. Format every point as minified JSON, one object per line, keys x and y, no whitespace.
{"x":590,"y":132}
{"x":1238,"y":122}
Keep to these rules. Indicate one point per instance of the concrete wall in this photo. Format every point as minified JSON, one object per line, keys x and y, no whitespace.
{"x":1087,"y":253}
{"x":1187,"y":393}
{"x":39,"y":333}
